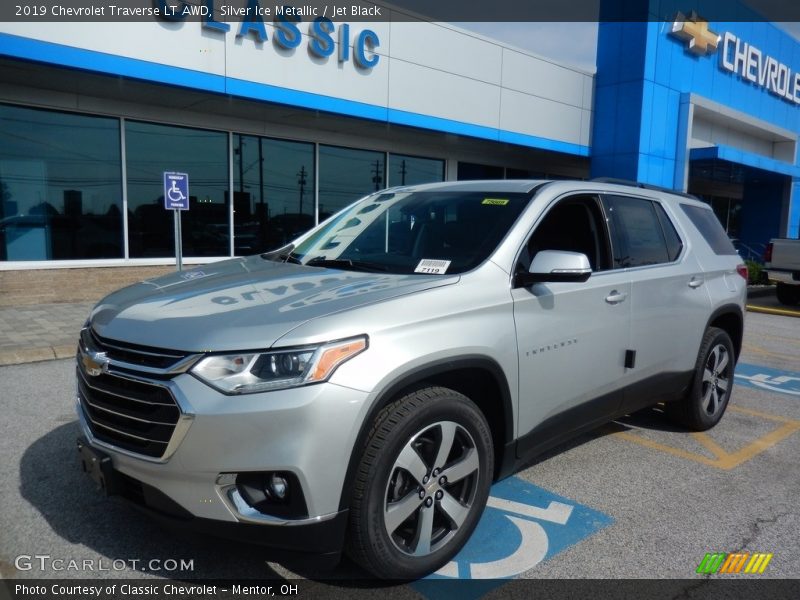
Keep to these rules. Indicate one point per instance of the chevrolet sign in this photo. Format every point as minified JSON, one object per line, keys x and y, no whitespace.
{"x":738,"y":57}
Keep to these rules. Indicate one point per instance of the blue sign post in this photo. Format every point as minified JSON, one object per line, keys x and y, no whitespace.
{"x":176,"y":198}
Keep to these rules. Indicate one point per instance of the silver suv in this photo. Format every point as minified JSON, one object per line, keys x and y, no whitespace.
{"x":361,"y":388}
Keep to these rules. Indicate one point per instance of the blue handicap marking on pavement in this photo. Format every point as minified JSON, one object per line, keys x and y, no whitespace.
{"x":522,"y":526}
{"x":764,"y":378}
{"x":176,"y":190}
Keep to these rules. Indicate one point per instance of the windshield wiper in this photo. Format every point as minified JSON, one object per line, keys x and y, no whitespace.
{"x":287,"y":255}
{"x":346,"y":263}
{"x":290,"y":257}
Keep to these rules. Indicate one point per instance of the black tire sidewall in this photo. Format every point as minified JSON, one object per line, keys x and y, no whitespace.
{"x":788,"y":294}
{"x":697,"y":414}
{"x":446,"y":407}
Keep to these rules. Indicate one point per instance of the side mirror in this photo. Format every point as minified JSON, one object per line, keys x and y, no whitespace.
{"x":555,"y":266}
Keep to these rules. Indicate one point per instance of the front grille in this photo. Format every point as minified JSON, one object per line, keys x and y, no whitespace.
{"x":133,"y":354}
{"x":132,"y":415}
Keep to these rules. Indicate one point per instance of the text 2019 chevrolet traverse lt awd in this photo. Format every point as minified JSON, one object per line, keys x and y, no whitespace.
{"x":361,"y":388}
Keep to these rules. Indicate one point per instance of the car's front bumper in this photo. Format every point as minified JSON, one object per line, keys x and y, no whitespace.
{"x":318,"y":539}
{"x":308,"y":431}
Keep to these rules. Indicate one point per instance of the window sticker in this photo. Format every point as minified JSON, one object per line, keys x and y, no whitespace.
{"x":432,"y":267}
{"x":495,"y":201}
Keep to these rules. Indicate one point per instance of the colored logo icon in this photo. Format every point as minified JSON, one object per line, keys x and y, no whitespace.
{"x":734,"y":562}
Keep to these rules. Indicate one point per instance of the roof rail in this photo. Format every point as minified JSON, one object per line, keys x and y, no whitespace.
{"x":644,"y":186}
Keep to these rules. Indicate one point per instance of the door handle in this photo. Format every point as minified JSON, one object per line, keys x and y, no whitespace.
{"x":616,"y":297}
{"x":696,"y":282}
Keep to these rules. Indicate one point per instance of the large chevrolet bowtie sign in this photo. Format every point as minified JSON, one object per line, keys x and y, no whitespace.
{"x":738,"y":57}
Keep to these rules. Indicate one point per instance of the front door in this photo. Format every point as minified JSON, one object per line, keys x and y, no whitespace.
{"x":571,"y":337}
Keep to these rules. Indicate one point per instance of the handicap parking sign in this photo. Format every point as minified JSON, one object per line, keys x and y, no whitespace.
{"x":176,"y":191}
{"x":522,"y":526}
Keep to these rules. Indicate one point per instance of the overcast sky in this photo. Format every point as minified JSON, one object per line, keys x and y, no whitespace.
{"x":568,"y":43}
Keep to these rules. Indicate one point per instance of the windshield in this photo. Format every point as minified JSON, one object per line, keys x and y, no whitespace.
{"x":413,"y":232}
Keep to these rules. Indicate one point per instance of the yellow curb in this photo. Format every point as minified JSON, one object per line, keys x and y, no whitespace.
{"x":773,"y":311}
{"x":27,"y":355}
{"x":21,"y":356}
{"x":65,"y":350}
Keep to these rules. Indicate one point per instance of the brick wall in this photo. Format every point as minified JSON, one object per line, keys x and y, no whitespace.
{"x":39,"y":286}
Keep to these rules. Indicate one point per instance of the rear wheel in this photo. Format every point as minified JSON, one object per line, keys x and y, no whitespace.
{"x":788,"y":294}
{"x":422,"y":484}
{"x":707,"y":399}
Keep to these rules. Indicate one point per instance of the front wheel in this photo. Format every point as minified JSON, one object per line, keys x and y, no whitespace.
{"x":707,"y":399}
{"x":422,"y":484}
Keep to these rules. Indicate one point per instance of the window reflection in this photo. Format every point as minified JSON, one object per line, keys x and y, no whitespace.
{"x":468,"y":171}
{"x":413,"y":170}
{"x":151,"y":150}
{"x":273,"y":192}
{"x":345,"y":175}
{"x":60,"y":186}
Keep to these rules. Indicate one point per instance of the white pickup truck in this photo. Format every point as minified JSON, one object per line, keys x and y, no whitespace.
{"x":782,"y":263}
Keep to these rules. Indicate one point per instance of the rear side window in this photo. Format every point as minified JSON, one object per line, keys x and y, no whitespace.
{"x":710,"y":228}
{"x":638,"y":234}
{"x":674,"y":243}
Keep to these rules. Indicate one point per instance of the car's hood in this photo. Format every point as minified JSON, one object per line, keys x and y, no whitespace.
{"x":240,"y":304}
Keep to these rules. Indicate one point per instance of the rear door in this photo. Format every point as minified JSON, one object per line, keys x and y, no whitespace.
{"x":670,"y":303}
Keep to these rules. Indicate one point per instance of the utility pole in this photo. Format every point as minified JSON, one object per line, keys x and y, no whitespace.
{"x":377,"y":176}
{"x":301,"y":181}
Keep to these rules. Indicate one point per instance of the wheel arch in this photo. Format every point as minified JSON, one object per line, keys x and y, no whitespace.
{"x":730,"y":319}
{"x":480,"y":378}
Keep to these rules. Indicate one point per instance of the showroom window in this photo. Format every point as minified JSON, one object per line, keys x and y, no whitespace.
{"x":152,"y":149}
{"x":470,"y":171}
{"x":60,"y":186}
{"x":412,"y":170}
{"x":273,"y":192}
{"x":345,"y":175}
{"x":76,"y":186}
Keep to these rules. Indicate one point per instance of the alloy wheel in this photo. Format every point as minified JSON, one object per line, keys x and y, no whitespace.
{"x":716,"y":379}
{"x":431,"y":488}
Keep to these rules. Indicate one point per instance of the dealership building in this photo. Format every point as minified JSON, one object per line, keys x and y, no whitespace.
{"x":280,"y":123}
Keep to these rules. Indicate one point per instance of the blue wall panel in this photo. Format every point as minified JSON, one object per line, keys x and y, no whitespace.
{"x":793,"y":229}
{"x":640,"y":62}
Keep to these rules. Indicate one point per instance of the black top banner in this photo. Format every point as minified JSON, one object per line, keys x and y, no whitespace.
{"x":399,"y":10}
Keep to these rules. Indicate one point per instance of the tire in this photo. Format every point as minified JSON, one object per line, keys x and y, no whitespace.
{"x":406,"y":522}
{"x":788,"y":294}
{"x":707,"y":399}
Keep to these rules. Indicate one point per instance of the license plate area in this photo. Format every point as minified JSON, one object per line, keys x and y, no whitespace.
{"x":99,"y":467}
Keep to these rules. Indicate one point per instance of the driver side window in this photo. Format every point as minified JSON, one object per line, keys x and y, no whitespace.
{"x":575,"y":224}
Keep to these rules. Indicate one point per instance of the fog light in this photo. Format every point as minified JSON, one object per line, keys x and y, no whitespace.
{"x":278,"y":486}
{"x":274,"y":493}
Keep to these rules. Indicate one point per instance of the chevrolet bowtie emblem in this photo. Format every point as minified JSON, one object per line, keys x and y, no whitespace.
{"x":94,"y":363}
{"x":695,"y":30}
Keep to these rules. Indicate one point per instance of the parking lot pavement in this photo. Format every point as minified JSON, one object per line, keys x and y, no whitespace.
{"x":638,"y":498}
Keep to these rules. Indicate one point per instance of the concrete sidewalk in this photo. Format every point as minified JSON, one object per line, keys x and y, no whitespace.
{"x":40,"y":331}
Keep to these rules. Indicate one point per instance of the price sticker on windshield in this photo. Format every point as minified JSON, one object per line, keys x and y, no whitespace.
{"x":432,"y":267}
{"x":495,"y":201}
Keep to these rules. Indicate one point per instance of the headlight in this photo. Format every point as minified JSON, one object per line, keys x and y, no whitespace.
{"x":246,"y":373}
